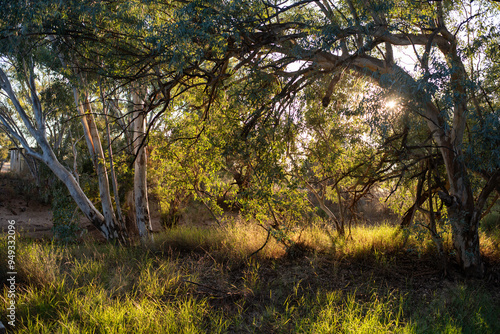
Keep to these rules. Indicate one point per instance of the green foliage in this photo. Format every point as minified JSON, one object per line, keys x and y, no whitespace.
{"x":238,"y":127}
{"x":183,"y":172}
{"x":4,"y":147}
{"x":491,"y":222}
{"x":65,"y":216}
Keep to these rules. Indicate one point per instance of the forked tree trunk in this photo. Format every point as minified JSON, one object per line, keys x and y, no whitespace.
{"x":463,"y":211}
{"x":97,"y":154}
{"x":142,"y":216}
{"x":107,"y":227}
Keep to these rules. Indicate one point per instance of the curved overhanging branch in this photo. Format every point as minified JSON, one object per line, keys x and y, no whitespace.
{"x":389,"y":75}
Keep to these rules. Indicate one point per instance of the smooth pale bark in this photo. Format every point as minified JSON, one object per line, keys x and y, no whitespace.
{"x":48,"y":157}
{"x":114,"y":181}
{"x":108,"y":228}
{"x":97,"y":155}
{"x":142,"y":215}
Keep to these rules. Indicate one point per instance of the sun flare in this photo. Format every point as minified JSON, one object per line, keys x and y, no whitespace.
{"x":391,"y":104}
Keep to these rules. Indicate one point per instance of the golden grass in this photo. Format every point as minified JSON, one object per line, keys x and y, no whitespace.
{"x":490,"y":245}
{"x":203,"y":280}
{"x":236,"y":240}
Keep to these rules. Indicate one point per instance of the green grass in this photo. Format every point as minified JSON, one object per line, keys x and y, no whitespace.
{"x":203,"y":280}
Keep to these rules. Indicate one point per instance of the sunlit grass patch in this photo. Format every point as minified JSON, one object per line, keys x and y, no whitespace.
{"x":106,"y":289}
{"x":490,"y":245}
{"x":315,"y":236}
{"x":38,"y":264}
{"x":157,"y":280}
{"x":238,"y":240}
{"x":328,"y":312}
{"x":40,"y":303}
{"x":349,"y":315}
{"x":387,"y":239}
{"x":91,"y":309}
{"x":211,"y":284}
{"x":365,"y":239}
{"x":246,"y":239}
{"x":188,"y":239}
{"x":235,"y":240}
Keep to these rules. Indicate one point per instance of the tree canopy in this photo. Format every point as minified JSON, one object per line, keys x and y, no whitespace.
{"x":281,"y":97}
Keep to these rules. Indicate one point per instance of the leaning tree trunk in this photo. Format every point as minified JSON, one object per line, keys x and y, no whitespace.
{"x":97,"y":154}
{"x":47,"y":156}
{"x":142,"y":216}
{"x":107,"y":227}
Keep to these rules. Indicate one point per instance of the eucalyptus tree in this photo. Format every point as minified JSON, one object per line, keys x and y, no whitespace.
{"x":362,"y":38}
{"x":43,"y":37}
{"x":296,"y":43}
{"x":86,"y":42}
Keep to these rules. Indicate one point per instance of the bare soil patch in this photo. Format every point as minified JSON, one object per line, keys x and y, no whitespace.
{"x":33,"y":217}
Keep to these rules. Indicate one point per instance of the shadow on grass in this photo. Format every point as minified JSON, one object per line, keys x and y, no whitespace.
{"x":205,"y":282}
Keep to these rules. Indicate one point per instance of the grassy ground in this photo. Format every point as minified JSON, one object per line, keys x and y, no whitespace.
{"x":203,"y":280}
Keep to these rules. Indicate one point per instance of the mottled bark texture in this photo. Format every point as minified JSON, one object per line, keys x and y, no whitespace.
{"x":142,"y":215}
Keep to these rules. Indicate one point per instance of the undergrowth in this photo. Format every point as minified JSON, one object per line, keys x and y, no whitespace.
{"x":208,"y":280}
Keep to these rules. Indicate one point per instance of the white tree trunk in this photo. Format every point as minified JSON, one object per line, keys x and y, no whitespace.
{"x":107,"y":227}
{"x":114,"y":182}
{"x":142,"y":215}
{"x":97,"y":154}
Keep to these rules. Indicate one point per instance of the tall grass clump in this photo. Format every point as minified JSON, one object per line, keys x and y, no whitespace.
{"x":36,"y":264}
{"x":349,"y":315}
{"x":360,"y":243}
